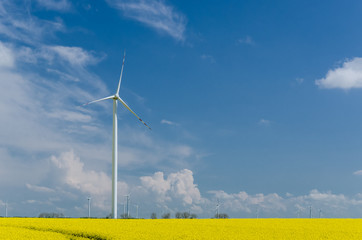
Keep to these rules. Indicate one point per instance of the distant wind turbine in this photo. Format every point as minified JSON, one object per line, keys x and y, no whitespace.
{"x":89,"y":199}
{"x":217,"y":208}
{"x":127,"y":208}
{"x":116,"y":97}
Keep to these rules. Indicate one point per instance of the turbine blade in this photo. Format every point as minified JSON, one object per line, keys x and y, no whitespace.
{"x":110,"y":97}
{"x":125,"y":104}
{"x":120,"y":78}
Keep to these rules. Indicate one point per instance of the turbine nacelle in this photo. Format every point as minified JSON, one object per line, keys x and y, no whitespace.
{"x":116,"y":97}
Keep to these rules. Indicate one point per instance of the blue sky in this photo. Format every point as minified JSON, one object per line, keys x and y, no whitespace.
{"x":252,"y":103}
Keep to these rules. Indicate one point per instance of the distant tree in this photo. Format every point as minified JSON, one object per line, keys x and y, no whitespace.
{"x":109,"y":216}
{"x":125,"y":216}
{"x":221,"y":215}
{"x":192,"y":216}
{"x":186,"y":215}
{"x":51,"y":215}
{"x":153,"y":215}
{"x":166,"y":215}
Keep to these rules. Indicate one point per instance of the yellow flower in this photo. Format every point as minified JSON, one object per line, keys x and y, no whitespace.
{"x":40,"y":228}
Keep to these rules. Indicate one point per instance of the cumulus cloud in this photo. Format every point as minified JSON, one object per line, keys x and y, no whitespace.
{"x":244,"y":202}
{"x":348,"y":76}
{"x":75,"y":175}
{"x":274,"y":205}
{"x":175,"y":190}
{"x":178,"y":191}
{"x":157,"y":184}
{"x":41,"y":85}
{"x":155,"y":14}
{"x":177,"y":185}
{"x":95,"y":183}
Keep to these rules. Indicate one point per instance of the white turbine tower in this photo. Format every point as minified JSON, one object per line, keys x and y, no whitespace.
{"x":116,"y":98}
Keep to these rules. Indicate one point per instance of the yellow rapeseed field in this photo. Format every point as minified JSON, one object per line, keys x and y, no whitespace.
{"x":98,"y":229}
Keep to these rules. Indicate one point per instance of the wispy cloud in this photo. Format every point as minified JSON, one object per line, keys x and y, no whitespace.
{"x":299,"y":80}
{"x":167,"y":122}
{"x":56,"y":5}
{"x":264,"y":122}
{"x":41,"y":83}
{"x":39,"y":188}
{"x":17,"y":24}
{"x":155,"y":14}
{"x":208,"y":57}
{"x":348,"y":76}
{"x":359,"y":172}
{"x":7,"y":58}
{"x":74,"y":55}
{"x":246,"y":40}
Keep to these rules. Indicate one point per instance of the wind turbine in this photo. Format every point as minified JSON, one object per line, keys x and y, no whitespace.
{"x":89,"y":199}
{"x":217,"y":208}
{"x":115,"y":99}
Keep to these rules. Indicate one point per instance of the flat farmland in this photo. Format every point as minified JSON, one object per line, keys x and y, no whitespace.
{"x":38,"y":228}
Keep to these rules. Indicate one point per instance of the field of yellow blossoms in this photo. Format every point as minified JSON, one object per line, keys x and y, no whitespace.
{"x":98,"y":229}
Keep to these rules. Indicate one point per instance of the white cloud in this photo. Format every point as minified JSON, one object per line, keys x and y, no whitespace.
{"x":273,"y":205}
{"x":70,"y":116}
{"x":182,"y":184}
{"x":57,"y":5}
{"x":41,"y":85}
{"x":64,"y":76}
{"x":167,"y":122}
{"x":359,"y":172}
{"x":299,"y":80}
{"x":208,"y":57}
{"x":155,"y":14}
{"x":6,"y":56}
{"x":95,"y":183}
{"x":39,"y":188}
{"x":348,"y":76}
{"x":244,"y":202}
{"x":74,"y":55}
{"x":157,"y":184}
{"x":264,"y":122}
{"x":246,"y":40}
{"x":16,"y":23}
{"x":177,"y":185}
{"x":326,"y":197}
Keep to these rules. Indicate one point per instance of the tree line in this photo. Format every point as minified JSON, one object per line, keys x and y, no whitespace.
{"x":178,"y":215}
{"x":185,"y":215}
